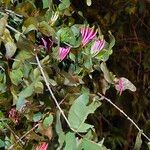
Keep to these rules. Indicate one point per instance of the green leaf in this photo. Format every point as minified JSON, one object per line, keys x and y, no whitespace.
{"x":31,"y":27}
{"x":46,"y":3}
{"x":38,"y":87}
{"x":48,"y":121}
{"x":64,"y":4}
{"x":28,"y":91}
{"x":16,"y":76}
{"x":79,"y":112}
{"x":1,"y":114}
{"x":20,"y":103}
{"x":70,"y":141}
{"x":88,"y":64}
{"x":58,"y":123}
{"x":46,"y":29}
{"x":72,"y":56}
{"x":21,"y":57}
{"x":148,"y":145}
{"x":70,"y":36}
{"x":138,"y":141}
{"x":91,"y":145}
{"x":37,"y":116}
{"x":107,"y":75}
{"x":59,"y":131}
{"x":112,"y":40}
{"x":3,"y":22}
{"x":2,"y":143}
{"x":2,"y":81}
{"x":10,"y":49}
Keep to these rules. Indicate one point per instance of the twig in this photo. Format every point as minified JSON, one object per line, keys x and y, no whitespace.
{"x":15,"y":135}
{"x":121,"y":111}
{"x":12,"y":12}
{"x":13,"y":29}
{"x":51,"y":92}
{"x":22,"y":137}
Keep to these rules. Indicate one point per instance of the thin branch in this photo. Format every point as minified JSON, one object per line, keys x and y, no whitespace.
{"x":121,"y":111}
{"x":51,"y":92}
{"x":15,"y":135}
{"x":13,"y":29}
{"x":11,"y":147}
{"x":12,"y":12}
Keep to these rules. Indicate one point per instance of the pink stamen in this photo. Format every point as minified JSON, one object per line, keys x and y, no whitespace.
{"x":120,"y":86}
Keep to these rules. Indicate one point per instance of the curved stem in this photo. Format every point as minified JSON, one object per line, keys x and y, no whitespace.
{"x":121,"y":111}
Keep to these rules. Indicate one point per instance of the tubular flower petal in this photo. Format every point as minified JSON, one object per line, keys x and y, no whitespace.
{"x":87,"y":35}
{"x":63,"y":52}
{"x":97,"y":46}
{"x":42,"y":146}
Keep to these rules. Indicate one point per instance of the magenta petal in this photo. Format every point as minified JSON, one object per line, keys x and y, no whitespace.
{"x":97,"y":46}
{"x":86,"y":32}
{"x":87,"y":35}
{"x":90,"y":36}
{"x":63,"y":52}
{"x":44,"y":42}
{"x":42,"y":146}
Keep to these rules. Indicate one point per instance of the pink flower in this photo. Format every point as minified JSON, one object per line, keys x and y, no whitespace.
{"x":63,"y":52}
{"x":119,"y":86}
{"x":14,"y":116}
{"x":87,"y":35}
{"x":97,"y":46}
{"x":42,"y":146}
{"x":45,"y":42}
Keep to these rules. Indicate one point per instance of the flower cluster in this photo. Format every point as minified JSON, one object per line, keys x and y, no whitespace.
{"x":13,"y":115}
{"x":88,"y":34}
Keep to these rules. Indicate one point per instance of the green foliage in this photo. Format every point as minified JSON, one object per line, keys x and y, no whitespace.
{"x":64,"y":4}
{"x":79,"y":112}
{"x":48,"y":31}
{"x":70,"y":36}
{"x":48,"y":121}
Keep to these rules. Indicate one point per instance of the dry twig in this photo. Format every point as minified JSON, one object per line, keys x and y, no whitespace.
{"x":122,"y":112}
